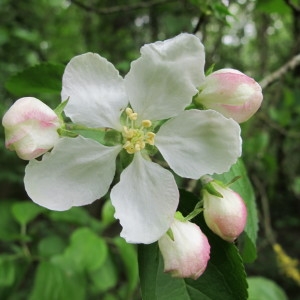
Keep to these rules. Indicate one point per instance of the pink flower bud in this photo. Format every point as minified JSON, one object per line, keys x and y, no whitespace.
{"x":231,"y":93}
{"x":185,"y":254}
{"x":30,"y":128}
{"x":225,"y":216}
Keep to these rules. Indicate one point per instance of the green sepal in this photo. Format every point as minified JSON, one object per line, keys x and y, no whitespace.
{"x":59,"y":109}
{"x":170,"y":234}
{"x":210,"y":70}
{"x":65,"y":132}
{"x":233,"y":180}
{"x":211,"y":190}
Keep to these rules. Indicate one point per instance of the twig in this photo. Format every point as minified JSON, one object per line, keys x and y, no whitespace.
{"x":119,"y":8}
{"x":266,"y":211}
{"x":290,"y":65}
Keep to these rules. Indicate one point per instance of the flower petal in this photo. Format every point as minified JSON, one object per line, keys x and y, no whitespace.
{"x":197,"y":142}
{"x":162,"y":82}
{"x":76,"y":172}
{"x":95,"y":90}
{"x":145,"y":200}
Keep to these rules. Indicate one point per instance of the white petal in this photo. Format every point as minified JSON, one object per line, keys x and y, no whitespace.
{"x":95,"y":90}
{"x":77,"y":172}
{"x":145,"y":200}
{"x":197,"y":142}
{"x":162,"y":82}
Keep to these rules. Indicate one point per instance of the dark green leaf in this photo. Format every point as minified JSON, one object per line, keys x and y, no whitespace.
{"x":43,"y":78}
{"x":9,"y":229}
{"x":7,"y":271}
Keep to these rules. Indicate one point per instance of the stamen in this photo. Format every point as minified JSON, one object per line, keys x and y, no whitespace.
{"x":136,"y":137}
{"x":128,"y":111}
{"x":146,"y":123}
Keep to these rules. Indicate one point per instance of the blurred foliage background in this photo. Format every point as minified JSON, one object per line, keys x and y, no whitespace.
{"x":40,"y":249}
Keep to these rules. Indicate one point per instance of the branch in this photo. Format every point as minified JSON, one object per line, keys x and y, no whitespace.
{"x":290,"y":65}
{"x":119,"y":8}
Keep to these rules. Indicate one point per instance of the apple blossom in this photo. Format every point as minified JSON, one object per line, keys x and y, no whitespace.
{"x":159,"y":85}
{"x":186,"y":252}
{"x":30,"y":128}
{"x":226,"y":216}
{"x":232,"y":93}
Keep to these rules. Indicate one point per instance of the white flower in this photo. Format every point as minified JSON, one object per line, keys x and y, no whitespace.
{"x":231,"y":93}
{"x":30,"y":128}
{"x":159,"y":85}
{"x":186,"y":252}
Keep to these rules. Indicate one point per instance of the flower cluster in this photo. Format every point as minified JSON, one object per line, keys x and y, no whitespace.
{"x":146,"y":113}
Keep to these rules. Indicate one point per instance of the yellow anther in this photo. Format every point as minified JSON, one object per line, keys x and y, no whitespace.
{"x":136,"y":136}
{"x":150,"y":138}
{"x":128,"y":111}
{"x":133,"y":116}
{"x":146,"y":123}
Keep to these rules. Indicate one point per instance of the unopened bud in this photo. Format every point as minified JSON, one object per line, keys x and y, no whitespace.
{"x":30,"y":128}
{"x":226,"y":216}
{"x":186,"y":251}
{"x":231,"y":93}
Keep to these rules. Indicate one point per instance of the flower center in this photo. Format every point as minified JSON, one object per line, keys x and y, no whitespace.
{"x":136,"y":137}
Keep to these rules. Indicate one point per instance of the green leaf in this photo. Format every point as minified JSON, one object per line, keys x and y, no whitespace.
{"x":26,"y":211}
{"x":57,"y":282}
{"x":105,"y":277}
{"x":42,"y":78}
{"x":76,"y":215}
{"x":224,"y":278}
{"x":247,"y":241}
{"x":129,"y":257}
{"x":107,"y":213}
{"x":51,"y":245}
{"x":261,"y":288}
{"x":273,"y":6}
{"x":9,"y":229}
{"x":87,"y":250}
{"x":7,"y":271}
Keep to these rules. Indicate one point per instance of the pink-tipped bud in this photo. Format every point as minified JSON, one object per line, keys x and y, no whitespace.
{"x":225,"y":216}
{"x":30,"y":128}
{"x":231,"y":93}
{"x":185,"y":251}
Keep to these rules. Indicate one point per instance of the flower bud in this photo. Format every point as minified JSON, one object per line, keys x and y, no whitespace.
{"x":231,"y":93}
{"x":225,"y":216}
{"x":185,"y":251}
{"x":30,"y":128}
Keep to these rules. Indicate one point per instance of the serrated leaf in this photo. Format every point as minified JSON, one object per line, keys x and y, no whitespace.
{"x":26,"y":211}
{"x":224,"y":278}
{"x":39,"y":79}
{"x":247,"y":240}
